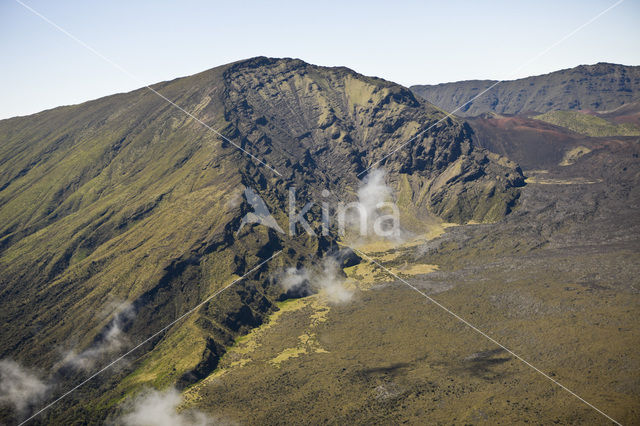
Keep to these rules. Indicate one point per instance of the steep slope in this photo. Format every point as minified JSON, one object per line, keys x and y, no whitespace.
{"x":602,"y":86}
{"x":127,"y":199}
{"x":556,"y":282}
{"x":337,"y":124}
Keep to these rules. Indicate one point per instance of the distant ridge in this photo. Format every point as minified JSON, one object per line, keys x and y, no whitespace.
{"x":602,"y":86}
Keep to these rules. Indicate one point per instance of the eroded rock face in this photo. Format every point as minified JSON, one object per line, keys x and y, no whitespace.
{"x":324,"y":126}
{"x":127,"y":198}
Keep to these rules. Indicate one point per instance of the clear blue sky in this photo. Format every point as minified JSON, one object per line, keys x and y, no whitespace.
{"x":406,"y":42}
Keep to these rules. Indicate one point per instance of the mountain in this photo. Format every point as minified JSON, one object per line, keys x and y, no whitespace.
{"x":555,"y":282}
{"x":120,"y":214}
{"x":600,"y":87}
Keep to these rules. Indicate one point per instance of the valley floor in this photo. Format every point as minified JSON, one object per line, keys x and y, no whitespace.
{"x":557,"y":282}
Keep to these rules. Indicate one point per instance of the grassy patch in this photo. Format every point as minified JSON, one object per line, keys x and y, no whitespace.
{"x":587,"y":124}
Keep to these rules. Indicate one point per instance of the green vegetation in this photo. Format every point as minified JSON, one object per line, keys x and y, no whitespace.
{"x":126,"y":198}
{"x":588,"y":124}
{"x":394,"y":357}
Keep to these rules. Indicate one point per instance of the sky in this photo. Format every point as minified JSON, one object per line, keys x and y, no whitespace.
{"x":410,"y":42}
